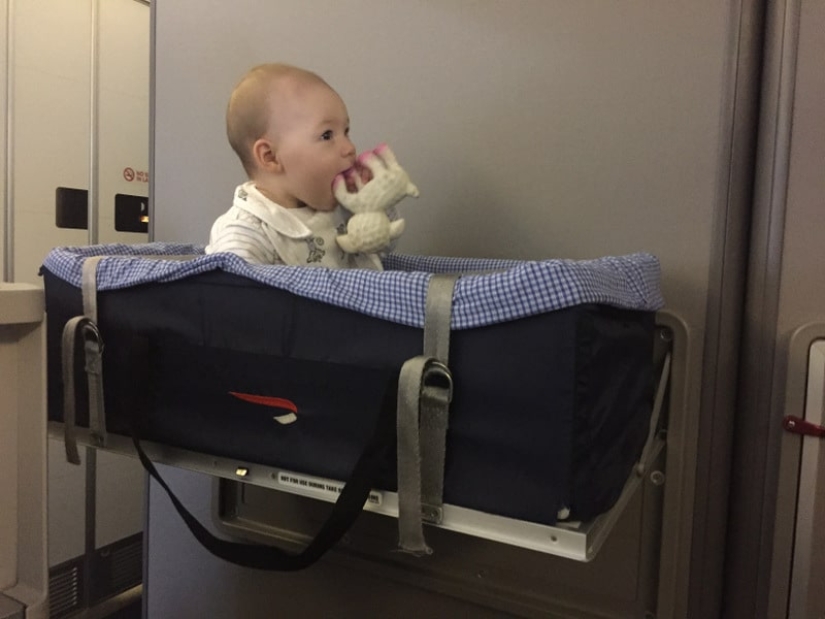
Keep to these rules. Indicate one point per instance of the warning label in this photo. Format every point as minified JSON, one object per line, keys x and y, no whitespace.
{"x":320,"y":486}
{"x":140,"y":176}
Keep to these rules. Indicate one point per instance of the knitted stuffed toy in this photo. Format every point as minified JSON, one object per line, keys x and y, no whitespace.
{"x":370,"y":230}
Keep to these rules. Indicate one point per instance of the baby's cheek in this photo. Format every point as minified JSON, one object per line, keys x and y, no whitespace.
{"x":328,"y":204}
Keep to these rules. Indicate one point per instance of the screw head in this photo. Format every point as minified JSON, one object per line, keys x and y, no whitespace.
{"x":657,"y":478}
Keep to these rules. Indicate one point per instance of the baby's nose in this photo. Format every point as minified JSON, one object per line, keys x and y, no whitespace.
{"x":349,"y":148}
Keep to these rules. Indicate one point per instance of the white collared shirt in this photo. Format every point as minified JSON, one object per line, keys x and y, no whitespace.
{"x":263,"y":232}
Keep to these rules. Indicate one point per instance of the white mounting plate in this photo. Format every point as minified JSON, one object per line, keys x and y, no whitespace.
{"x":577,"y":541}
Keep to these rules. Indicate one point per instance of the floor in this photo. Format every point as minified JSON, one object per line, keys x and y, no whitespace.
{"x":130,"y":612}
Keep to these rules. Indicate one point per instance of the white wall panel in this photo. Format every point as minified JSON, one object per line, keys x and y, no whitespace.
{"x":35,"y":235}
{"x":51,"y":149}
{"x":51,"y":118}
{"x":124,"y":110}
{"x":52,"y":106}
{"x":124,"y":50}
{"x":51,"y":123}
{"x":120,"y":484}
{"x":123,"y":142}
{"x":67,"y":499}
{"x":53,"y":36}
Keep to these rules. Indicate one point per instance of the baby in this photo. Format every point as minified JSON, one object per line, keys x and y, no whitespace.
{"x":290,"y":130}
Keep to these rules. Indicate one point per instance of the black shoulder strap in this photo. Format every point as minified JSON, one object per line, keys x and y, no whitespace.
{"x":349,"y":505}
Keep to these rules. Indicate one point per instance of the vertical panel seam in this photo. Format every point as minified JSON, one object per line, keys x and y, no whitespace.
{"x":725,"y":310}
{"x":8,"y":164}
{"x":94,"y":141}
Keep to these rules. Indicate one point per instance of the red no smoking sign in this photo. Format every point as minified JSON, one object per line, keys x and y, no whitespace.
{"x":130,"y":174}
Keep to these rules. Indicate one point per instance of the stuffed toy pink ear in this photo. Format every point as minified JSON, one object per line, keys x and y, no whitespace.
{"x":369,"y":229}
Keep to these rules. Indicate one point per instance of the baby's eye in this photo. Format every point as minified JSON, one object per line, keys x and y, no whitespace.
{"x":327,"y":135}
{"x":346,"y":132}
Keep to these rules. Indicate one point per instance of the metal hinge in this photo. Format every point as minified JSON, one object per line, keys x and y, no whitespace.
{"x":800,"y":426}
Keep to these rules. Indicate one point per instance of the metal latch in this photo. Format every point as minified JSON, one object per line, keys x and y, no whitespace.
{"x":800,"y":426}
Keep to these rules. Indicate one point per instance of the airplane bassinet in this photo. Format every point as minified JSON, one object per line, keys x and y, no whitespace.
{"x":527,"y":387}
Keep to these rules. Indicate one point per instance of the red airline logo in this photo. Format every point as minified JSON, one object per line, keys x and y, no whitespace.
{"x":272,"y":402}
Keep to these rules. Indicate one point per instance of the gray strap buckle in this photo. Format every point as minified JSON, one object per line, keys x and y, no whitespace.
{"x":93,"y":351}
{"x":424,"y":395}
{"x":436,"y":395}
{"x":86,"y":325}
{"x":424,"y":390}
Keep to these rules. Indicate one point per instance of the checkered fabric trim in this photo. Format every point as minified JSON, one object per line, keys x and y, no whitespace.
{"x":509,"y":289}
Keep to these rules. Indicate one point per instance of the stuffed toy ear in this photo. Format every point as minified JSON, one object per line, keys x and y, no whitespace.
{"x":369,"y":230}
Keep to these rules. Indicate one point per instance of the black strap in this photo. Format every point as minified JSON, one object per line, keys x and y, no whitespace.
{"x":349,"y":505}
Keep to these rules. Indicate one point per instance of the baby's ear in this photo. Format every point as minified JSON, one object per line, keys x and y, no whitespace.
{"x":265,"y":156}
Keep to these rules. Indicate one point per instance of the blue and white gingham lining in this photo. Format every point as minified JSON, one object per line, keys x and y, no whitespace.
{"x":514,"y":289}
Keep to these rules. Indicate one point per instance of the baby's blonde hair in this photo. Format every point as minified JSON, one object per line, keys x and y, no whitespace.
{"x":249,"y":110}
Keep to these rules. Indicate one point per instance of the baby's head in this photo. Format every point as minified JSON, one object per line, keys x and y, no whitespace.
{"x":290,"y":130}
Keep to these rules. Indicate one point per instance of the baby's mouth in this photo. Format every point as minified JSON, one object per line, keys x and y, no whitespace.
{"x":350,"y":174}
{"x":346,"y":175}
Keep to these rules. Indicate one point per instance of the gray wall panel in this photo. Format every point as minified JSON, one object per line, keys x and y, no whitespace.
{"x":558,"y":129}
{"x":533,"y":129}
{"x":213,"y":589}
{"x":800,"y":301}
{"x":802,"y":295}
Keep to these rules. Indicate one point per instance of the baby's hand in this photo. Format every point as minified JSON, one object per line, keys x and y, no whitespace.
{"x":359,"y":170}
{"x":375,"y":183}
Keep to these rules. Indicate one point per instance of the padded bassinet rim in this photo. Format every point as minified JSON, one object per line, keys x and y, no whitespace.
{"x":514,"y":289}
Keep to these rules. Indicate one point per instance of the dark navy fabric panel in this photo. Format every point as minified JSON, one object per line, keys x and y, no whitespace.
{"x":192,"y":407}
{"x":615,"y":385}
{"x":511,"y":420}
{"x":532,"y":425}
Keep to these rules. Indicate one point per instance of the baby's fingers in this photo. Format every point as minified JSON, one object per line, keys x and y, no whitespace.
{"x":354,"y":179}
{"x":342,"y":190}
{"x":384,"y":152}
{"x":371,"y":162}
{"x":364,"y":172}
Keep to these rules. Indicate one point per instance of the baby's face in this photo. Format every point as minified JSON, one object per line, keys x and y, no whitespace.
{"x":313,"y":145}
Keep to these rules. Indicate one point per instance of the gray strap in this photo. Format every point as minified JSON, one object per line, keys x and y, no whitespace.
{"x":86,"y":327}
{"x":94,"y":352}
{"x":93,"y":348}
{"x":437,"y":317}
{"x":69,"y":414}
{"x":88,"y":286}
{"x":434,"y":418}
{"x":424,"y":394}
{"x":436,"y":398}
{"x":410,"y":527}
